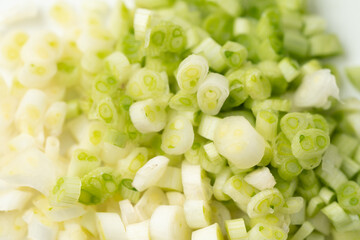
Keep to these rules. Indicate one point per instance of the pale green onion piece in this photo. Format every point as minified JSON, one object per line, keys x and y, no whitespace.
{"x":276,"y":219}
{"x":267,"y":124}
{"x":195,"y":183}
{"x":211,"y":232}
{"x":296,"y":43}
{"x":52,"y":148}
{"x":66,"y":191}
{"x":140,"y":230}
{"x":241,"y":26}
{"x":349,"y":167}
{"x":265,"y":231}
{"x":55,"y":118}
{"x":110,"y":226}
{"x":168,"y":222}
{"x":133,"y":162}
{"x":10,"y":48}
{"x":316,"y":236}
{"x":289,"y":69}
{"x":178,"y":136}
{"x":42,"y":47}
{"x":310,"y":143}
{"x":274,"y":104}
{"x":149,"y":174}
{"x":183,"y":101}
{"x":299,"y":217}
{"x":39,"y":227}
{"x":142,"y":19}
{"x":119,"y":66}
{"x":315,"y":90}
{"x":310,"y":67}
{"x":345,"y":143}
{"x":207,"y":126}
{"x":127,"y":191}
{"x":171,"y":180}
{"x":348,"y":196}
{"x":337,"y":215}
{"x":148,"y":116}
{"x":239,"y":142}
{"x":261,"y":179}
{"x":98,"y":185}
{"x":234,"y":54}
{"x":220,"y":213}
{"x":146,"y":83}
{"x":212,"y":93}
{"x":149,"y":202}
{"x":332,"y":177}
{"x":319,"y":122}
{"x":304,"y":231}
{"x":175,"y":198}
{"x":282,"y":150}
{"x":309,"y":185}
{"x":211,"y":50}
{"x":327,"y":195}
{"x":191,"y":73}
{"x":314,"y":206}
{"x":220,"y":181}
{"x":293,"y":122}
{"x":265,"y":202}
{"x":289,"y":169}
{"x":287,"y":188}
{"x":236,"y":229}
{"x":257,"y":86}
{"x":293,"y":205}
{"x":324,"y":44}
{"x":268,"y":155}
{"x":331,"y":158}
{"x":239,"y":191}
{"x":30,"y":111}
{"x":321,"y":223}
{"x":95,"y":39}
{"x":197,"y":213}
{"x":105,"y":111}
{"x":37,"y":75}
{"x":127,"y":212}
{"x":82,"y":162}
{"x":210,"y":160}
{"x":313,"y":24}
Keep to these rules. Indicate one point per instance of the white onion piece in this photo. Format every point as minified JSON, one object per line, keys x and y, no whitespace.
{"x":150,"y":173}
{"x":239,"y":142}
{"x":14,"y":200}
{"x":138,"y":231}
{"x":261,"y":179}
{"x":110,"y":226}
{"x":315,"y":90}
{"x":168,"y":222}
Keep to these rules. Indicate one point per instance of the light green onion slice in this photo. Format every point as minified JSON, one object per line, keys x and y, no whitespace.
{"x":192,"y":72}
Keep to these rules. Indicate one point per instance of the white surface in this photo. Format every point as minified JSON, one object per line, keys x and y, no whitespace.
{"x":342,"y":16}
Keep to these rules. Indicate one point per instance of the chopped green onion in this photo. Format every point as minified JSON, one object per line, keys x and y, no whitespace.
{"x":289,"y":69}
{"x":212,"y":93}
{"x":348,"y":195}
{"x":266,"y":124}
{"x":127,"y":191}
{"x":82,"y":162}
{"x":66,"y":191}
{"x":234,"y":53}
{"x":98,"y":185}
{"x":309,"y":143}
{"x":236,"y":229}
{"x":191,"y":73}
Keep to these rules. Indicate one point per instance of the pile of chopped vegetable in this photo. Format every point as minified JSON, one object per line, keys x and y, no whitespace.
{"x":177,"y":120}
